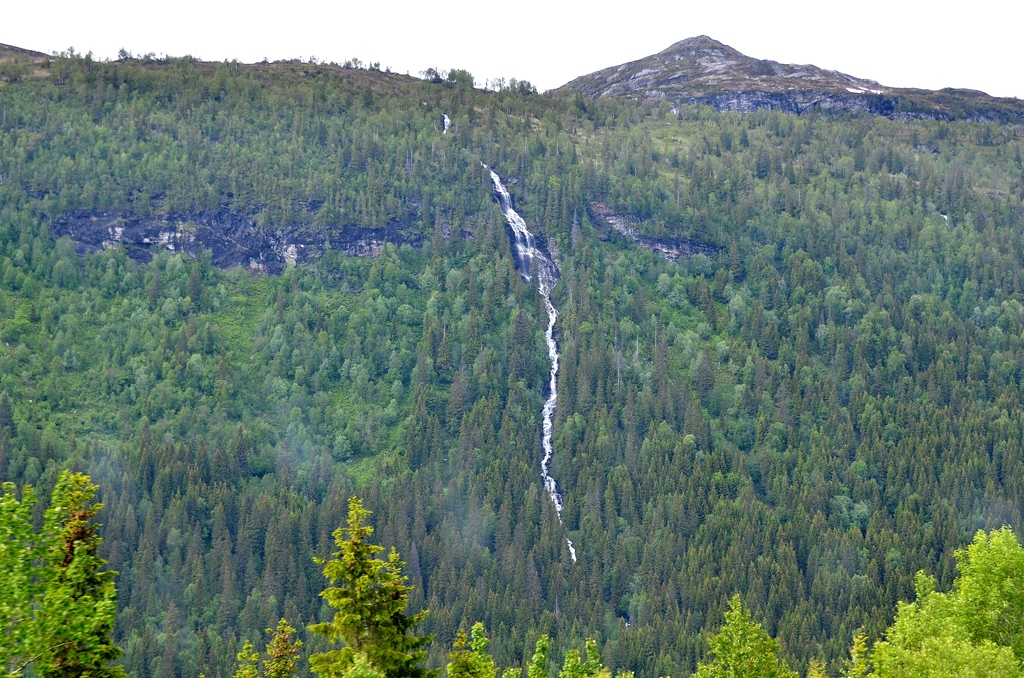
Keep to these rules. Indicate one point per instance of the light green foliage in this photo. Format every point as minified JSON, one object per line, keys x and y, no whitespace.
{"x":989,"y":594}
{"x":282,"y":655}
{"x":370,"y":596}
{"x":574,"y":667}
{"x":361,"y":667}
{"x":469,"y":658}
{"x":937,"y":656}
{"x":859,"y":666}
{"x":971,"y":631}
{"x":80,"y":599}
{"x":20,"y":584}
{"x":770,"y":419}
{"x":743,"y":649}
{"x":538,"y":667}
{"x":816,"y":669}
{"x":248,"y":662}
{"x":57,"y":604}
{"x":282,"y":652}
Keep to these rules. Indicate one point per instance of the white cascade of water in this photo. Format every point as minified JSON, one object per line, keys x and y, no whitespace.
{"x":529,"y":257}
{"x":445,"y":123}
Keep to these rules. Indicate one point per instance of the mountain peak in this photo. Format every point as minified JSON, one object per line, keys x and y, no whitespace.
{"x":702,"y":70}
{"x":701,"y":65}
{"x":698,"y":43}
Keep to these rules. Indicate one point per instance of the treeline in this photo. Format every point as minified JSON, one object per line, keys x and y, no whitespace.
{"x":827,"y":407}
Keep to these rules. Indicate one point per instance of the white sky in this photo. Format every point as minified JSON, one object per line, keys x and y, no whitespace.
{"x":928,"y":44}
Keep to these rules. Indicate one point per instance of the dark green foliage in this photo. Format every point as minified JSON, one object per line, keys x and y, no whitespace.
{"x":828,"y":405}
{"x":7,"y":425}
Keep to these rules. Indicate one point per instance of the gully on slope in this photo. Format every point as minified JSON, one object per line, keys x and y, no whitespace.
{"x":530,"y":257}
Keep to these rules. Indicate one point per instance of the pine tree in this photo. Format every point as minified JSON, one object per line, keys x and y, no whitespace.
{"x":370,"y":596}
{"x":816,"y":669}
{"x":591,"y":667}
{"x":194,"y":289}
{"x":859,"y":652}
{"x":248,"y":662}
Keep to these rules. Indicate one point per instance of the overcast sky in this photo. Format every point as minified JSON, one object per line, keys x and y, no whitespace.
{"x":976,"y":45}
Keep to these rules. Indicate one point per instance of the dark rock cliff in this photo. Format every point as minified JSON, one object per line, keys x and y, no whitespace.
{"x":608,"y":221}
{"x":234,"y":239}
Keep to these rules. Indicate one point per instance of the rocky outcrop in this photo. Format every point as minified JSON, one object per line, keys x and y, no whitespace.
{"x":233,"y":239}
{"x":670,"y":248}
{"x":795,"y":102}
{"x":704,"y":71}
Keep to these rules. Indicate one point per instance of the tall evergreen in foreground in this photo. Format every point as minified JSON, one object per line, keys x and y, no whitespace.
{"x":370,"y":596}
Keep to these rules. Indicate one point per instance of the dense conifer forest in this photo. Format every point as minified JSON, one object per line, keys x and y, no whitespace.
{"x":823,"y":401}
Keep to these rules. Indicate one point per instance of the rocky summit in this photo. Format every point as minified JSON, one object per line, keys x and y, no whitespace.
{"x":702,"y":70}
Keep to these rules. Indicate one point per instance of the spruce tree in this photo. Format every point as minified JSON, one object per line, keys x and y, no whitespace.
{"x":370,"y":596}
{"x":7,"y":416}
{"x":282,"y":655}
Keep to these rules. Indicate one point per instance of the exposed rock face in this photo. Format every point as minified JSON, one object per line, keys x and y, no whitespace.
{"x":704,"y":71}
{"x":670,"y":248}
{"x":234,"y":239}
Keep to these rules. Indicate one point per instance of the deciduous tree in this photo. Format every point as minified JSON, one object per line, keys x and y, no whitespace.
{"x":57,"y":603}
{"x":743,"y":649}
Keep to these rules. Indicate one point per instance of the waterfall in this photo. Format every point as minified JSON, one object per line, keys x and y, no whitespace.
{"x":445,"y":123}
{"x":530,"y":257}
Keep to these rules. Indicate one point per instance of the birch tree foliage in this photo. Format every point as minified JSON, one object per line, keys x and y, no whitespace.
{"x":57,"y":603}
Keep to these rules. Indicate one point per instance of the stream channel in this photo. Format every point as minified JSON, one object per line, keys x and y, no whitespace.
{"x":530,"y":258}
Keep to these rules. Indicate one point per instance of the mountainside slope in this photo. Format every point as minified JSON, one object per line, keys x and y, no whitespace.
{"x":791,"y":353}
{"x":13,"y":52}
{"x":703,"y":70}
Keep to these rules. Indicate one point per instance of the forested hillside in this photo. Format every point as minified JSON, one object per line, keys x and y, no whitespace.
{"x":829,"y":404}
